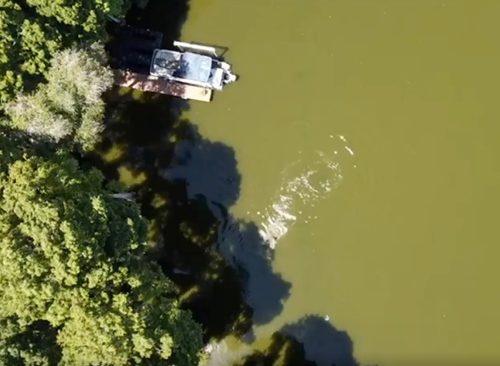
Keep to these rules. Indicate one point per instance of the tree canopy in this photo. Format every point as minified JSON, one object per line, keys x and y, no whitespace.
{"x":32,"y":30}
{"x":68,"y":108}
{"x":74,"y":285}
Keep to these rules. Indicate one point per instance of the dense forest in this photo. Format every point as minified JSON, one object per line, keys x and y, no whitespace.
{"x":76,"y":286}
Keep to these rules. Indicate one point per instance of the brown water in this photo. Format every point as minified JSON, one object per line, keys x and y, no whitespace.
{"x":375,"y":125}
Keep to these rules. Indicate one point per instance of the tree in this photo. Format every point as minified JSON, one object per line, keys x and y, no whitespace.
{"x":25,"y":48}
{"x":90,"y":16}
{"x":32,"y":31}
{"x":74,"y":285}
{"x":68,"y":108}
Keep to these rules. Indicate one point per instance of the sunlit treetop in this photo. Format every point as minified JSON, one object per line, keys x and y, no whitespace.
{"x":68,"y":108}
{"x":75,"y":288}
{"x":32,"y":31}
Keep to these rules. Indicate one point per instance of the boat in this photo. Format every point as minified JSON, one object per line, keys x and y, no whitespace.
{"x":189,"y":70}
{"x":191,"y":64}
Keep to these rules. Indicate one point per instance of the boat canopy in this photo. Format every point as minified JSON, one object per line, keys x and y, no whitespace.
{"x":196,"y":67}
{"x":186,"y":65}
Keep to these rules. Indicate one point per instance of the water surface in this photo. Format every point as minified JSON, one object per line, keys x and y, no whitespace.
{"x":366,"y":135}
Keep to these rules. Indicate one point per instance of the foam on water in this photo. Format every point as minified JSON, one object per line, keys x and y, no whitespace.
{"x":303,"y":186}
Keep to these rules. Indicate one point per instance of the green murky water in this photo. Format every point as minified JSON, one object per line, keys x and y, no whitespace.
{"x":372,"y":127}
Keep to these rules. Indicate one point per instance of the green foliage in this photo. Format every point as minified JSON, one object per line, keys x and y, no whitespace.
{"x":74,"y":284}
{"x":75,"y":287}
{"x":89,"y":15}
{"x":31,"y":345}
{"x":69,"y":107}
{"x":31,"y":31}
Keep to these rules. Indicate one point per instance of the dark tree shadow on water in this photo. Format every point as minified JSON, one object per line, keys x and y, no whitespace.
{"x":143,"y":138}
{"x":138,"y":145}
{"x":166,"y":16}
{"x":185,"y":184}
{"x":310,"y":341}
{"x":323,"y":343}
{"x":210,"y":171}
{"x":242,"y":245}
{"x":283,"y":350}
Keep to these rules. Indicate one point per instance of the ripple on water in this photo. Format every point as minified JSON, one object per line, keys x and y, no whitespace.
{"x":305,"y":182}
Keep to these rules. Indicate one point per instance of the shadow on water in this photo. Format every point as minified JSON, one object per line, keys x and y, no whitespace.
{"x":186,"y":185}
{"x":139,"y":144}
{"x":322,"y":342}
{"x":242,"y":245}
{"x":309,"y":341}
{"x":283,"y":350}
{"x":166,"y":16}
{"x":210,"y":171}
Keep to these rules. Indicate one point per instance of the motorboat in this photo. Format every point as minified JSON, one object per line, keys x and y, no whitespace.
{"x":192,"y":64}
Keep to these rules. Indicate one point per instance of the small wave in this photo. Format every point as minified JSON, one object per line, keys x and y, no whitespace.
{"x":303,"y":186}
